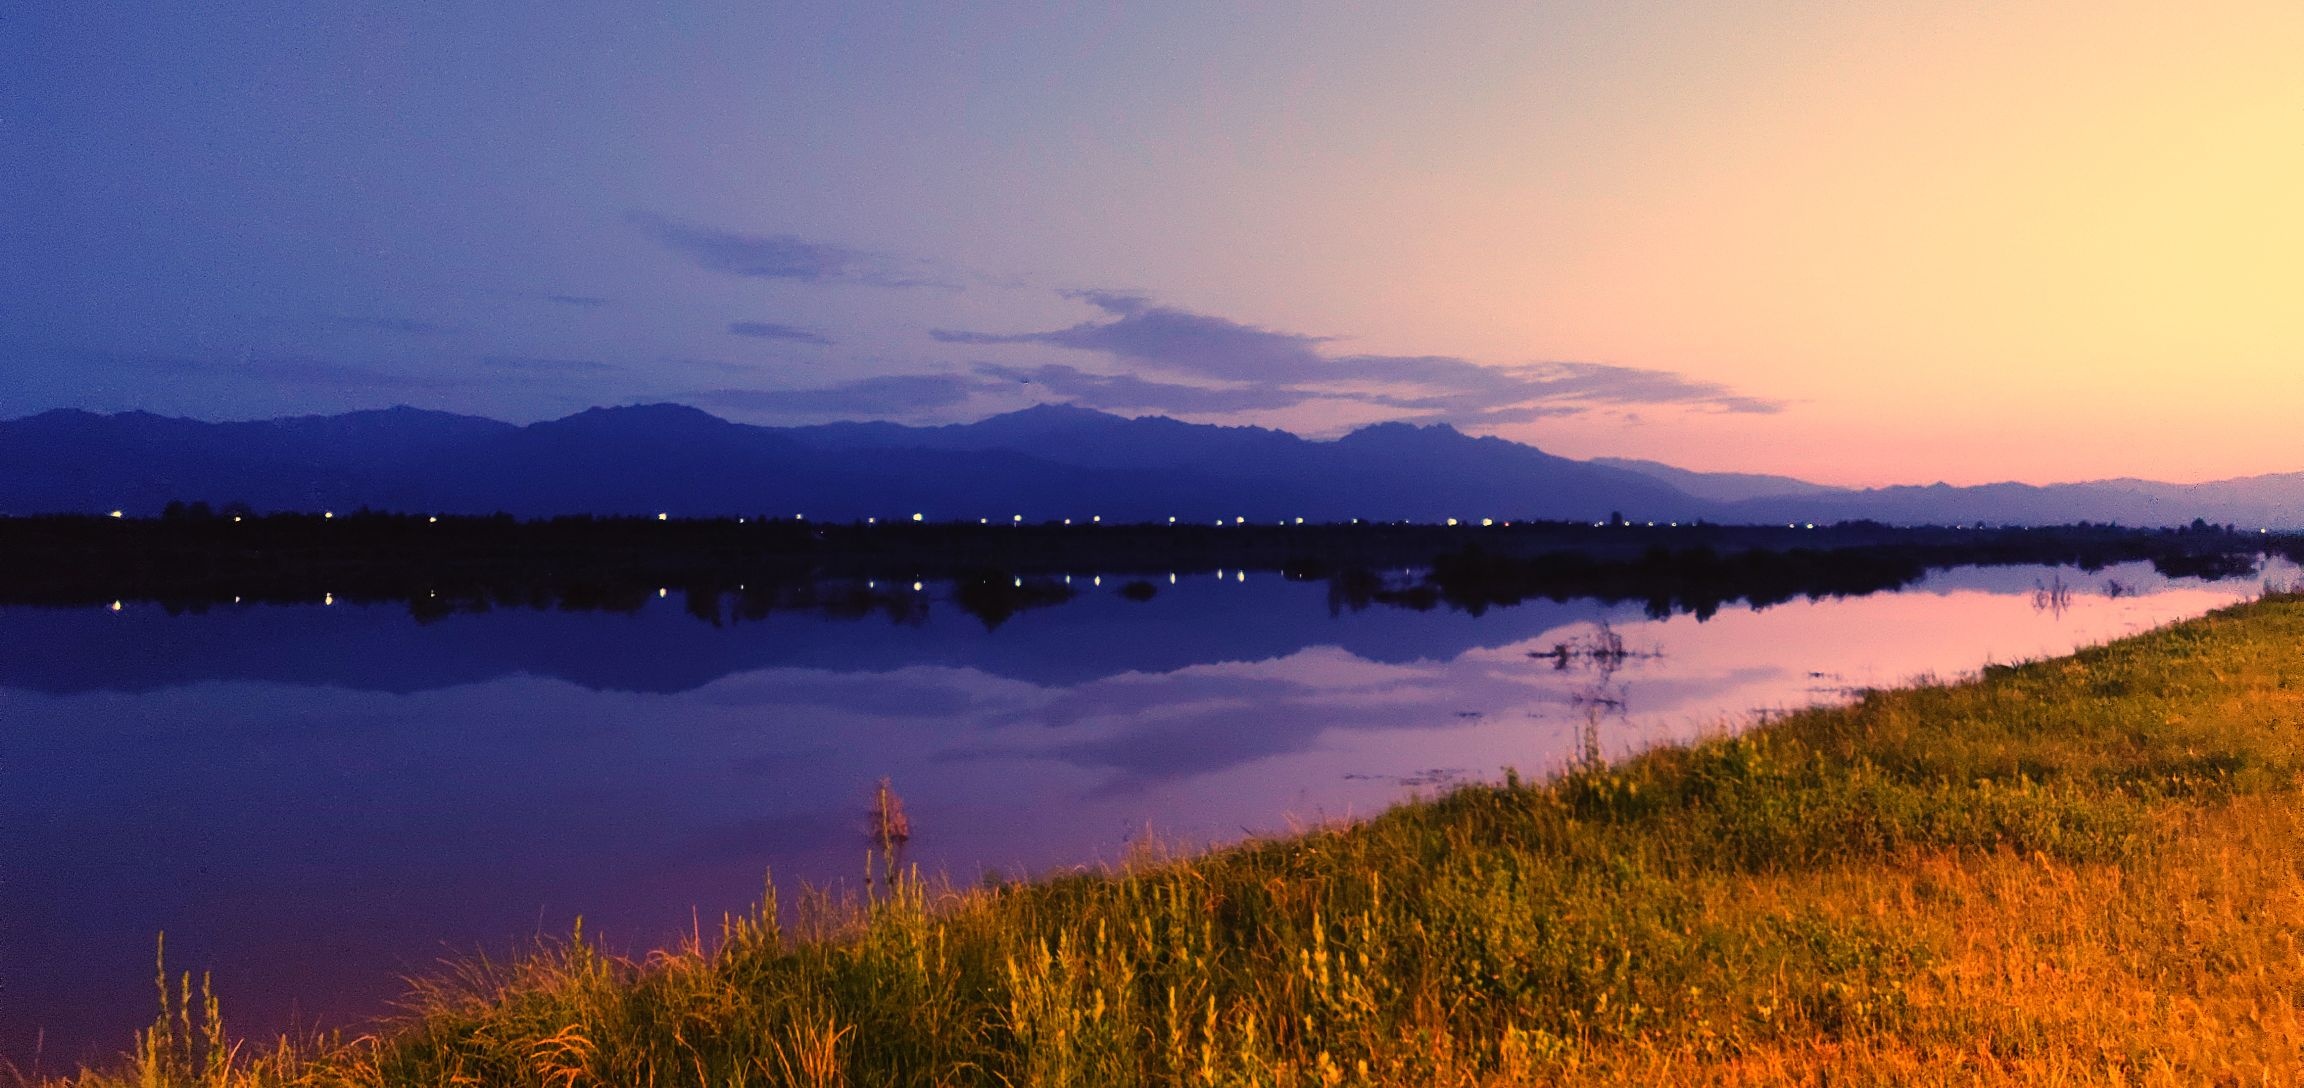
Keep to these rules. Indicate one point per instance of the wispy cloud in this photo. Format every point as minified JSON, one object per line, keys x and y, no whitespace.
{"x":1262,"y":369}
{"x":783,"y":256}
{"x":530,"y":365}
{"x":1121,"y":391}
{"x":581,"y":302}
{"x":1172,"y":339}
{"x":771,"y":330}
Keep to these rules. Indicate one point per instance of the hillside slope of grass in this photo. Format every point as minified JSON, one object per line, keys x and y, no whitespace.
{"x":2077,"y":871}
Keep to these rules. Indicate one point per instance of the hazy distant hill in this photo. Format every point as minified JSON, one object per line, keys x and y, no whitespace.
{"x":1719,"y":486}
{"x":1041,"y":463}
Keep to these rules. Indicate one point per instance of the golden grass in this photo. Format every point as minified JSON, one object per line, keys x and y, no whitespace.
{"x":2082,"y":871}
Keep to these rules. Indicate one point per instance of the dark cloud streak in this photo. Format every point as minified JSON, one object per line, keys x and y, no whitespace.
{"x":771,"y":330}
{"x":781,"y":256}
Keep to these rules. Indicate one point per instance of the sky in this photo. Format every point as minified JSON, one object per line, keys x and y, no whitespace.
{"x":1857,"y":243}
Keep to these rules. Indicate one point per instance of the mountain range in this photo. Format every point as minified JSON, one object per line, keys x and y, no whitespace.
{"x":1041,"y":463}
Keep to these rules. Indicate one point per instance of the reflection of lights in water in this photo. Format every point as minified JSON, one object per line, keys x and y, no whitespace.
{"x":1067,"y":579}
{"x":115,"y":606}
{"x":1240,"y":576}
{"x":327,"y":598}
{"x":662,"y":592}
{"x":1219,"y":574}
{"x":1171,"y":577}
{"x":1097,"y":580}
{"x":235,"y":600}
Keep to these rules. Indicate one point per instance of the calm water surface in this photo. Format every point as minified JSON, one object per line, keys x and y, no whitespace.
{"x":314,"y":802}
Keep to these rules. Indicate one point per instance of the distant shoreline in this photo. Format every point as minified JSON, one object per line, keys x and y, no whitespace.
{"x":441,"y":565}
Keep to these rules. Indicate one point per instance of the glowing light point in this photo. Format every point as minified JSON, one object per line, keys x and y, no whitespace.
{"x":236,"y":519}
{"x":115,"y":606}
{"x":1299,"y":521}
{"x":1019,"y":519}
{"x":916,"y":587}
{"x":664,"y":517}
{"x":328,"y":513}
{"x":1487,"y":522}
{"x":1240,"y":576}
{"x":327,"y":598}
{"x":1096,"y":519}
{"x":1171,"y":577}
{"x":1239,"y":521}
{"x":1171,"y":521}
{"x":1019,"y":583}
{"x":918,"y":517}
{"x":1096,"y":580}
{"x":119,"y":513}
{"x":427,"y":521}
{"x":661,"y":592}
{"x":1451,"y":521}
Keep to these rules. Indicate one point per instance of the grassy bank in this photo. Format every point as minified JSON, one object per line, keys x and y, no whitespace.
{"x":2084,"y":870}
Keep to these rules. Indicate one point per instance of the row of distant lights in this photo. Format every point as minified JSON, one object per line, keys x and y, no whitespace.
{"x":1098,"y":519}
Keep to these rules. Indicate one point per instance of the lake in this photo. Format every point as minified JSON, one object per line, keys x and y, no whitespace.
{"x":313,"y":802}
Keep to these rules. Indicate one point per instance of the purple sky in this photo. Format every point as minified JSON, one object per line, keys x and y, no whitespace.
{"x":1730,"y":236}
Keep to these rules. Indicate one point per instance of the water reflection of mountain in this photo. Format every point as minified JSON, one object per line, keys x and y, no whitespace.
{"x":661,"y":649}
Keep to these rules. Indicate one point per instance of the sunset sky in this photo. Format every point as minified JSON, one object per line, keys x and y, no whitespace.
{"x":1858,"y":243}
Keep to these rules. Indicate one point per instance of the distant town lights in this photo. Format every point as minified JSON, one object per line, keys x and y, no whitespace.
{"x":918,"y":517}
{"x":123,"y":513}
{"x":1488,"y":522}
{"x":1451,"y":521}
{"x":427,"y":521}
{"x":666,"y":516}
{"x":328,"y":513}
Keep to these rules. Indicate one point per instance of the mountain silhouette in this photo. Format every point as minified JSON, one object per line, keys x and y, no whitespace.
{"x":1041,"y":463}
